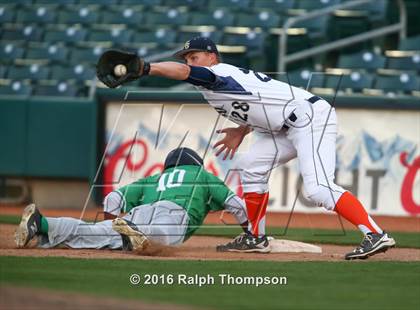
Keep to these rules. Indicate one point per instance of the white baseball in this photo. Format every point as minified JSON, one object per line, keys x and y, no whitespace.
{"x":120,"y":70}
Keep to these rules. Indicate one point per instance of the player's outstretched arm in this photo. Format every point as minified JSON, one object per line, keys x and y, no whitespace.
{"x":171,"y":70}
{"x":232,"y":140}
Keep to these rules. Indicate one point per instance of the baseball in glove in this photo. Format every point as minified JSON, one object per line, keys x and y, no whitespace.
{"x":136,"y":67}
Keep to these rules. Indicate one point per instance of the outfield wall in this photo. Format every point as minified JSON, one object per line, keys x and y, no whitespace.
{"x":377,"y":153}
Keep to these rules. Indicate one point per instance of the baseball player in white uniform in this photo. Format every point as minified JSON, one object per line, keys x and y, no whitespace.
{"x":289,"y":123}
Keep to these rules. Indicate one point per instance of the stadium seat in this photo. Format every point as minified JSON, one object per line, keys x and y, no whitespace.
{"x":19,"y":88}
{"x":125,"y":15}
{"x":305,"y":78}
{"x":187,"y":33}
{"x":32,"y":72}
{"x":279,"y":6}
{"x":193,"y":4}
{"x":316,"y":27}
{"x":375,"y":10}
{"x":18,"y":2}
{"x":10,"y":51}
{"x":356,"y":81}
{"x":397,"y":82}
{"x":48,"y":52}
{"x":60,"y":2}
{"x":363,"y":60}
{"x":262,"y":18}
{"x":25,"y":33}
{"x":250,"y":39}
{"x":3,"y":71}
{"x":150,"y":3}
{"x":77,"y":72}
{"x":403,"y":60}
{"x":115,"y":35}
{"x":101,"y":2}
{"x":410,"y":44}
{"x":160,"y":36}
{"x":86,"y":54}
{"x":218,"y":18}
{"x":69,"y":35}
{"x":38,"y":14}
{"x":81,"y":15}
{"x":7,"y":13}
{"x":56,"y":88}
{"x":347,"y":23}
{"x":310,"y":5}
{"x":170,"y":17}
{"x":232,"y":4}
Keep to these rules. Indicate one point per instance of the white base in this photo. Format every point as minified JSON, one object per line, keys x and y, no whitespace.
{"x":289,"y":246}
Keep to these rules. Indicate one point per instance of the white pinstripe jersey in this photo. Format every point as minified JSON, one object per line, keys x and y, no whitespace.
{"x":251,"y":98}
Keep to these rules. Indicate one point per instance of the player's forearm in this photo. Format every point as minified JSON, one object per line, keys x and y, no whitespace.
{"x":171,"y":70}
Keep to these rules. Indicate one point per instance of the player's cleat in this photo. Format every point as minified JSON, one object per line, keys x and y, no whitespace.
{"x":372,"y":244}
{"x":133,"y":239}
{"x":246,"y":243}
{"x":29,"y":226}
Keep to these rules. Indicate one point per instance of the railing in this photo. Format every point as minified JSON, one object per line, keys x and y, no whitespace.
{"x":284,"y":59}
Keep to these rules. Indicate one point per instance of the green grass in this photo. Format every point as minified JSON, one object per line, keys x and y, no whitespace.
{"x":323,"y":236}
{"x":310,"y":285}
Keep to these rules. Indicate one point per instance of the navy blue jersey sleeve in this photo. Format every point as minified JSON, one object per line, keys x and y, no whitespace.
{"x":201,"y":76}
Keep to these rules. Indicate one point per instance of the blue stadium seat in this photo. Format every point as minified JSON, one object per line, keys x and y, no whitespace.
{"x":232,"y":4}
{"x":279,"y":6}
{"x":25,"y":33}
{"x":310,"y":5}
{"x":355,"y":81}
{"x":42,"y":14}
{"x":86,"y":54}
{"x":50,"y":52}
{"x":397,"y":82}
{"x":150,"y":3}
{"x":316,"y":27}
{"x":19,"y":88}
{"x":3,"y":71}
{"x":10,"y":51}
{"x":81,"y":15}
{"x":7,"y":13}
{"x":193,"y":4}
{"x":220,"y":17}
{"x":71,"y":34}
{"x":260,"y":18}
{"x":56,"y":88}
{"x":305,"y":78}
{"x":60,"y":2}
{"x":124,"y":15}
{"x":250,"y":39}
{"x":115,"y":35}
{"x":403,"y":60}
{"x":32,"y":72}
{"x":101,"y":2}
{"x":410,"y":44}
{"x":160,"y":35}
{"x":170,"y":17}
{"x":185,"y":35}
{"x":362,"y":60}
{"x":77,"y":72}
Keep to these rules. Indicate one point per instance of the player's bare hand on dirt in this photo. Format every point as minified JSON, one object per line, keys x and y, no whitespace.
{"x":230,"y":143}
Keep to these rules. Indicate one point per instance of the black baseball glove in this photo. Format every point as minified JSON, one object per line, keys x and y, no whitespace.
{"x":136,"y":67}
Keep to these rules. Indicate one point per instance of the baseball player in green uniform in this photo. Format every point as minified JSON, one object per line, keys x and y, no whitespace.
{"x":165,"y":208}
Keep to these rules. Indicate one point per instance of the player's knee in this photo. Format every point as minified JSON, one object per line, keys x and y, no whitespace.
{"x":113,"y":203}
{"x":321,"y":196}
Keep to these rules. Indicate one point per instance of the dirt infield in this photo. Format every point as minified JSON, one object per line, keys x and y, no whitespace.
{"x":11,"y":298}
{"x":197,"y":248}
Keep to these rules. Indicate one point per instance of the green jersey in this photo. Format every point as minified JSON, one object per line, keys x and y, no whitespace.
{"x":190,"y":187}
